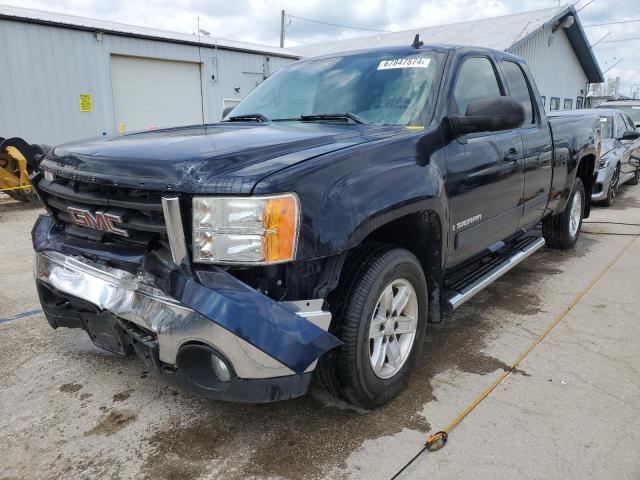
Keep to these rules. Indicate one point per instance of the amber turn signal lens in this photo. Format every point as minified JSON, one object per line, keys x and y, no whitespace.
{"x":281,"y":224}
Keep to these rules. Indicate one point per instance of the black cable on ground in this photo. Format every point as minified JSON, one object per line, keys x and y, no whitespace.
{"x":615,"y":223}
{"x":406,"y":465}
{"x":609,"y":233}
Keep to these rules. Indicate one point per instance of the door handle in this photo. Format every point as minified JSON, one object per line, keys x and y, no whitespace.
{"x":512,"y":155}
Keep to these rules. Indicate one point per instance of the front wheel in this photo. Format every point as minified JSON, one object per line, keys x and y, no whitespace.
{"x":381,"y":316}
{"x":562,"y":230}
{"x":636,"y":177}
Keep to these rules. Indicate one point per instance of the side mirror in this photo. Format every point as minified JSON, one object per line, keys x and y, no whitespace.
{"x":490,"y":114}
{"x":227,"y":111}
{"x":631,"y":135}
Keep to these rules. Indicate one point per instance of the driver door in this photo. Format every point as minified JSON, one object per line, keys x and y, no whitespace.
{"x":485,"y":172}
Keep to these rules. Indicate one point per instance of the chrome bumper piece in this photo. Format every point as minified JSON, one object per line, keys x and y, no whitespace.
{"x":135,"y":299}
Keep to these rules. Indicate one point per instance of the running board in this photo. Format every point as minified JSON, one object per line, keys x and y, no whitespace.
{"x":465,"y":289}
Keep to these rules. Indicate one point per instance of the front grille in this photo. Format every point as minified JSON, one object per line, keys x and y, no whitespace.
{"x":140,"y":210}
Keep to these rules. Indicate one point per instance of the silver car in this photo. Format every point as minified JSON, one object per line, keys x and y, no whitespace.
{"x":619,"y":154}
{"x":630,"y":107}
{"x":619,"y":157}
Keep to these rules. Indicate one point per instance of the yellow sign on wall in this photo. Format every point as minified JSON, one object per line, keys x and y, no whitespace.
{"x":86,"y":103}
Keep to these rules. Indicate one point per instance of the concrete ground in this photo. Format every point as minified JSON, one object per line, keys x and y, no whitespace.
{"x":571,"y":410}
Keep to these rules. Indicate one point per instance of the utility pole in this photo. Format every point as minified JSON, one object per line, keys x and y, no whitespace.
{"x":282,"y":29}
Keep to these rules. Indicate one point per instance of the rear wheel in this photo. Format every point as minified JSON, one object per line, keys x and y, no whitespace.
{"x":381,"y":316}
{"x":614,"y":184}
{"x":562,"y":230}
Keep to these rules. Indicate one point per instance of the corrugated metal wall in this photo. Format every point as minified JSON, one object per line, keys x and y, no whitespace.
{"x":554,"y":65}
{"x":45,"y":69}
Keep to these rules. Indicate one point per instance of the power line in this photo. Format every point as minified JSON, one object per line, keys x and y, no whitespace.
{"x":338,"y":25}
{"x":299,"y":41}
{"x":599,"y":41}
{"x":585,"y":5}
{"x":612,"y":23}
{"x":622,"y":40}
{"x":611,"y":67}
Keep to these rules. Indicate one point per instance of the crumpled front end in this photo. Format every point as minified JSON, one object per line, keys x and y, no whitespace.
{"x":207,"y":331}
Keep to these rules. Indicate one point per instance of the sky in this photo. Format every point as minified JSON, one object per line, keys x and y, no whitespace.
{"x":258,"y":21}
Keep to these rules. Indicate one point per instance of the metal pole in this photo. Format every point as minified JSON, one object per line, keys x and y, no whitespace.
{"x":282,"y":29}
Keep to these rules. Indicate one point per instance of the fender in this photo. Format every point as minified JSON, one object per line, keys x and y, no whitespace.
{"x":346,"y":195}
{"x":568,"y":156}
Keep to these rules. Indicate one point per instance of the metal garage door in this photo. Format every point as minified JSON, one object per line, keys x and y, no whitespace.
{"x":150,"y":93}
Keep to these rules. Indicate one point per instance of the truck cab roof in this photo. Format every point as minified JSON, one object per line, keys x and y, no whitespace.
{"x":432,"y":47}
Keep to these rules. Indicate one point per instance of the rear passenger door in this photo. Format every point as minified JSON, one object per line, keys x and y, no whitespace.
{"x":485,"y":178}
{"x":536,"y":143}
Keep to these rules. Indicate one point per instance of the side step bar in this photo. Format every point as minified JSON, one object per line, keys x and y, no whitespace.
{"x":474,"y":283}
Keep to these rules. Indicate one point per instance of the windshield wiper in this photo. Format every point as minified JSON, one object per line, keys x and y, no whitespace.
{"x":251,"y":117}
{"x":334,"y":116}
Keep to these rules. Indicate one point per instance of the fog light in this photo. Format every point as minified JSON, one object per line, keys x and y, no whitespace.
{"x":203,"y":367}
{"x":220,"y":369}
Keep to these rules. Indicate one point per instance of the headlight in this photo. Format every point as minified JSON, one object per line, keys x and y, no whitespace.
{"x":604,"y":162}
{"x":256,"y":230}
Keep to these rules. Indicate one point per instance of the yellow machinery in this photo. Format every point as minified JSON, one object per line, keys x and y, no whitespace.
{"x":18,"y":160}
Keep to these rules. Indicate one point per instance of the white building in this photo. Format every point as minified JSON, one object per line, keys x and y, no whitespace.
{"x":552,"y":42}
{"x":66,"y":77}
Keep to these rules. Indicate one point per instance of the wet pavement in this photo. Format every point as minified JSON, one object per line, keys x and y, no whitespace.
{"x":71,"y":410}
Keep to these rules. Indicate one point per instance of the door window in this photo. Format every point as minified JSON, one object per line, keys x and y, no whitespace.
{"x":620,"y":127}
{"x":628,"y":123}
{"x":476,"y":79}
{"x":519,"y":88}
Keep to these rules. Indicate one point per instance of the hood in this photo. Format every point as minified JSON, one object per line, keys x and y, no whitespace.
{"x":219,"y":158}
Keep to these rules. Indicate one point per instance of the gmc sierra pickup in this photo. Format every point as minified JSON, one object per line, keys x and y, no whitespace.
{"x":346,"y":202}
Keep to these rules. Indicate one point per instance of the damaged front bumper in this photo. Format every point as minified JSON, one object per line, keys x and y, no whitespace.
{"x":125,"y":312}
{"x":601,"y":185}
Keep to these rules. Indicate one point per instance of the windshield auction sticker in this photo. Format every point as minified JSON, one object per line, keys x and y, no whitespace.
{"x":410,"y":62}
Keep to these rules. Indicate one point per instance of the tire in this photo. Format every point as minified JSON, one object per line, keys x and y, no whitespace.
{"x":347,"y":372}
{"x":558,"y":230}
{"x":636,"y":178}
{"x":25,"y":195}
{"x":614,"y":184}
{"x":30,"y":195}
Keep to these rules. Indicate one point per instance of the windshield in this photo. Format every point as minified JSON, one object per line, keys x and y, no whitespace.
{"x":632,"y":110}
{"x":607,"y":127}
{"x":387,"y":89}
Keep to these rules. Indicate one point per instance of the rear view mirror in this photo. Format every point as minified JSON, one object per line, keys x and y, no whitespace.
{"x":490,"y":114}
{"x":631,"y":135}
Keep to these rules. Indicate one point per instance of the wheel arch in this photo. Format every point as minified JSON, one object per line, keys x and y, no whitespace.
{"x":421,"y":233}
{"x":585,"y":171}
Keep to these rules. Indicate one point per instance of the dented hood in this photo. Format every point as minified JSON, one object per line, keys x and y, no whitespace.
{"x":219,"y":158}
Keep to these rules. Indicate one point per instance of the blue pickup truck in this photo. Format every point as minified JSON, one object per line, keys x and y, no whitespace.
{"x":344,"y":204}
